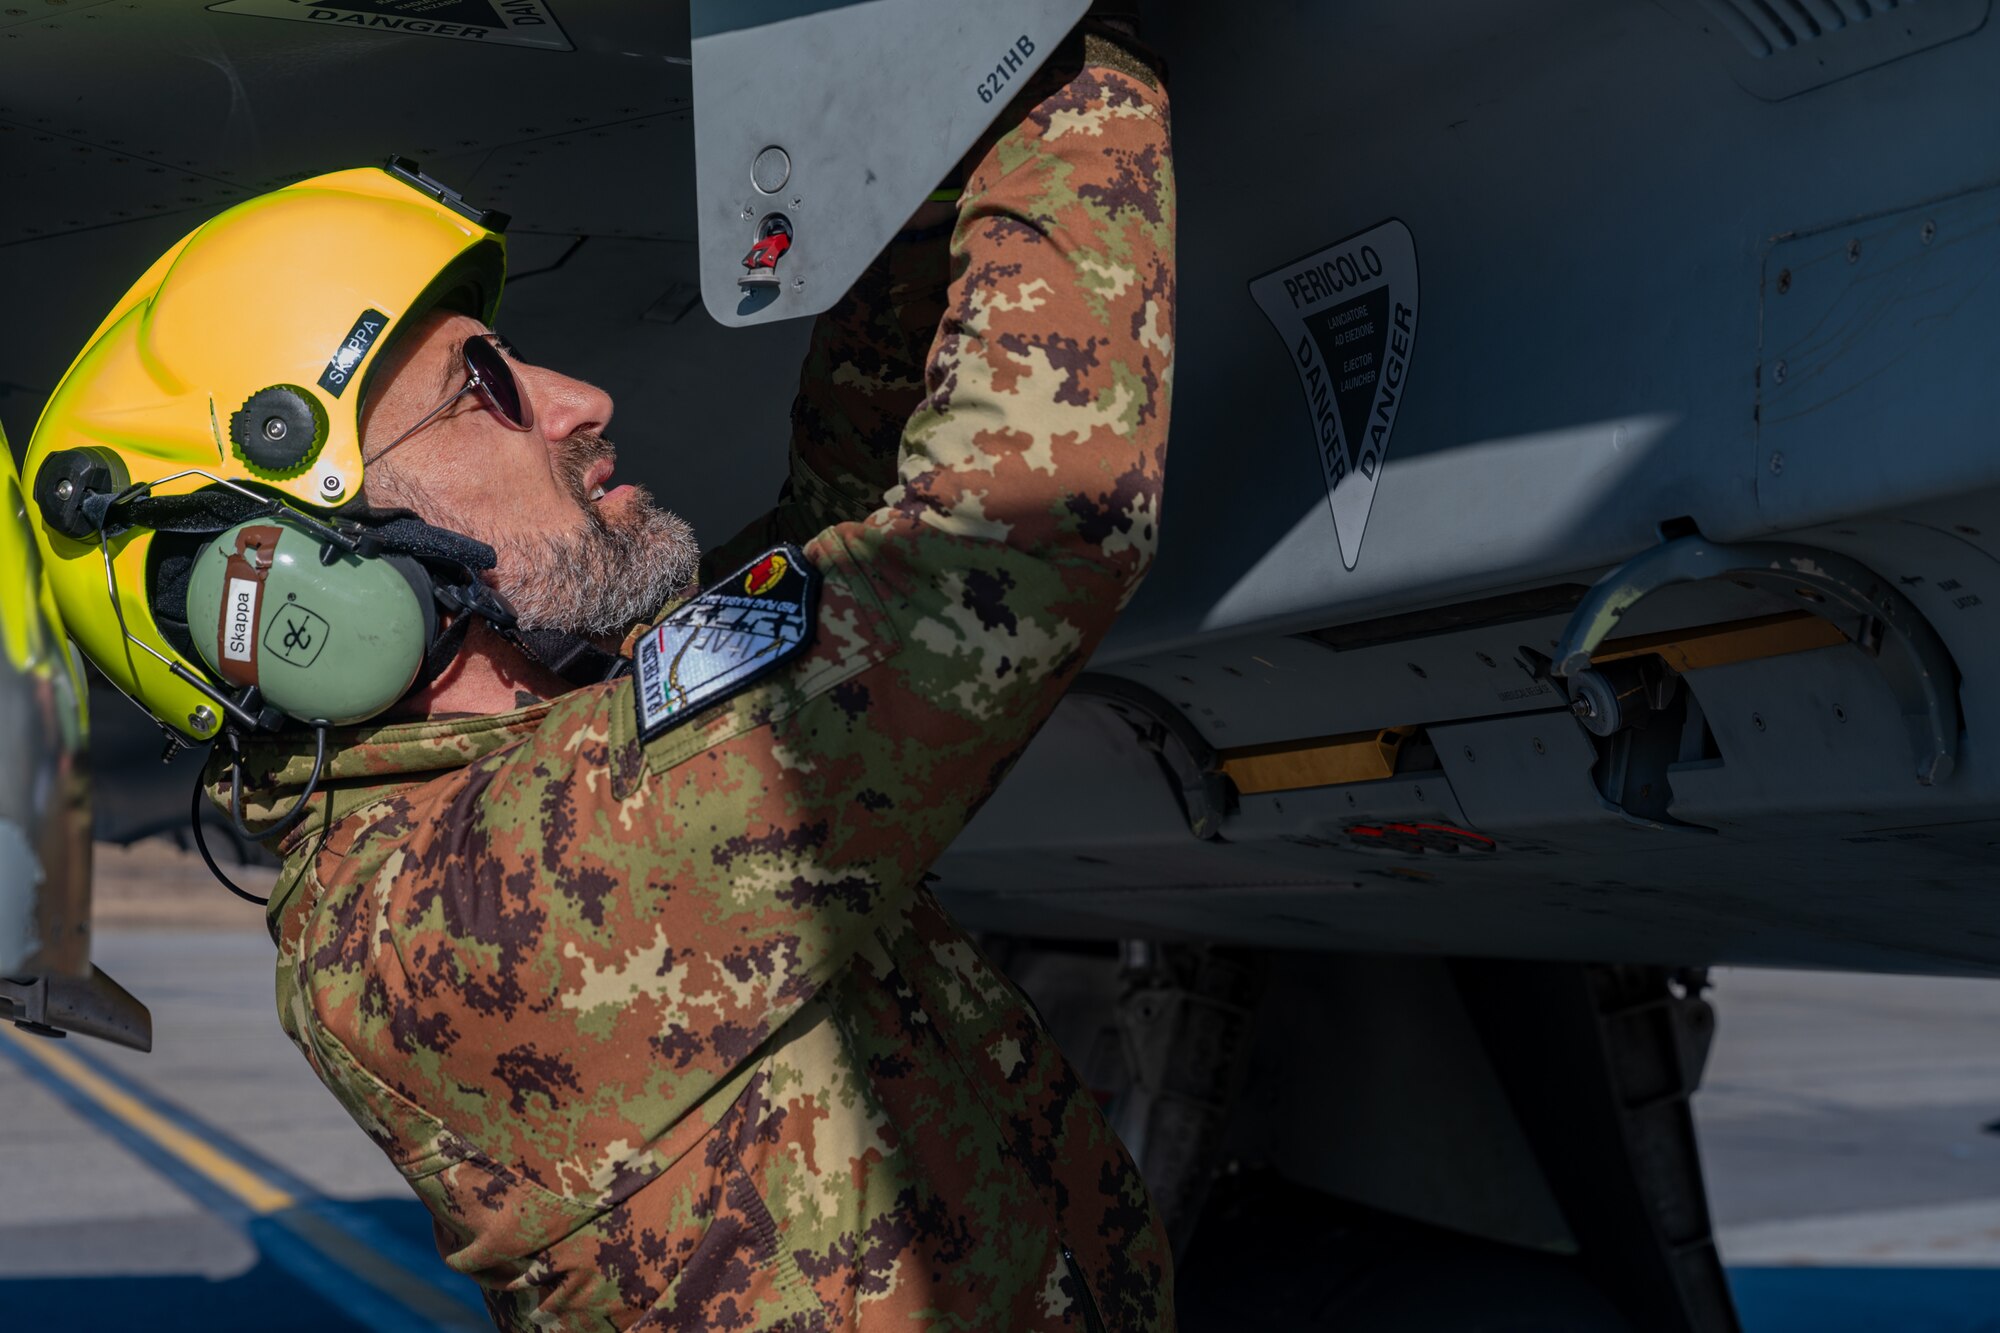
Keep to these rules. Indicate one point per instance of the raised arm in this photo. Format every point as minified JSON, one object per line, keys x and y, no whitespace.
{"x":1024,"y":510}
{"x":1029,"y":476}
{"x":862,"y":380}
{"x":1058,"y":325}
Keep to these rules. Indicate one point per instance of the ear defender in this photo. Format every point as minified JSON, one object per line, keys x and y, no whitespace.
{"x":326,"y":636}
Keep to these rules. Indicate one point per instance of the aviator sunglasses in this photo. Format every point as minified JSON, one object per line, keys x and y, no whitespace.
{"x":488,"y":375}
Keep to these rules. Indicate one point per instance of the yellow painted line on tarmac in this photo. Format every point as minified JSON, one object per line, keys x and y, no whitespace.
{"x":255,"y":1193}
{"x":422,"y":1299}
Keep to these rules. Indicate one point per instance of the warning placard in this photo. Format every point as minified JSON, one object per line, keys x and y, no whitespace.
{"x":494,"y":22}
{"x":1348,"y":315}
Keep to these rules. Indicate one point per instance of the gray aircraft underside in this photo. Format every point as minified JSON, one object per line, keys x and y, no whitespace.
{"x":1495,"y":319}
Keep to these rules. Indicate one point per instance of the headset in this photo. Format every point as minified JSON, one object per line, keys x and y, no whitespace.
{"x":323,"y":621}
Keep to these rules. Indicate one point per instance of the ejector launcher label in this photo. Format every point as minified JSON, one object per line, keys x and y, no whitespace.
{"x":1348,"y":315}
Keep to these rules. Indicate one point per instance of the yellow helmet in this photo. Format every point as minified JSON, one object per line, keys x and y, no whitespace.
{"x":241,"y":356}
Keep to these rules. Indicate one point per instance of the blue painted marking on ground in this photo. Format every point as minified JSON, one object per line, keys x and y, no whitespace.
{"x":418,"y":1257}
{"x":1867,"y":1300}
{"x":265,"y":1298}
{"x":361,"y":1303}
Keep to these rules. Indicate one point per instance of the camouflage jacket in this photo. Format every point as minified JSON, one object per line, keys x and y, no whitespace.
{"x":670,"y":1034}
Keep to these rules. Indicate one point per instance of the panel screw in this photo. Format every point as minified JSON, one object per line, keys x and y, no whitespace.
{"x":1777,"y":466}
{"x":202,"y":718}
{"x":1928,"y":232}
{"x":798,"y":284}
{"x":1839,"y":713}
{"x":1539,"y":747}
{"x":65,"y":488}
{"x":1778,"y":371}
{"x":1470,"y":758}
{"x":1854,"y":252}
{"x":798,"y":201}
{"x":274,"y":429}
{"x":1784,"y":281}
{"x":329,"y":485}
{"x":1757,"y":721}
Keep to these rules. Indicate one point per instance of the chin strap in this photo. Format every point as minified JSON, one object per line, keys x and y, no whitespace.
{"x":467,"y":600}
{"x":574,"y":658}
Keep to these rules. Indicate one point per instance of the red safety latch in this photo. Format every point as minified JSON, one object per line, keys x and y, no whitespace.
{"x":774,"y":240}
{"x":768,"y":251}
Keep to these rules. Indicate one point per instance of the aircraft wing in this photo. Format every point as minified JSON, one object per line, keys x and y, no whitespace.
{"x":1578,"y":541}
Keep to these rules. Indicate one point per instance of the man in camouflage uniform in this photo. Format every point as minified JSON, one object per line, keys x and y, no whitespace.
{"x":665,"y":1028}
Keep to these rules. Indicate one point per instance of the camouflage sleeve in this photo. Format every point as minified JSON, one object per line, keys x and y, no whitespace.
{"x":862,"y":379}
{"x":1028,"y":477}
{"x":1024,"y":512}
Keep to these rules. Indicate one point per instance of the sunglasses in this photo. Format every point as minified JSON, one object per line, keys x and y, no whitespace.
{"x":489,"y":376}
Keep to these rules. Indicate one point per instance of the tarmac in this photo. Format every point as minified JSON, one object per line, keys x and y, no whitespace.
{"x":1850,"y":1126}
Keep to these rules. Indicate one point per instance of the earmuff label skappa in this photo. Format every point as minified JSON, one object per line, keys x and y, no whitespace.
{"x":239,"y":620}
{"x":352,"y":351}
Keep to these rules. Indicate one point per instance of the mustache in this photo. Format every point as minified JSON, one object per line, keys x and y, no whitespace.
{"x":577,"y":454}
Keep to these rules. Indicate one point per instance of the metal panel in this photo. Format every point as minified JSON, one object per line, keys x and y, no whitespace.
{"x":1593,"y":199}
{"x":840,"y":116}
{"x":1526,"y":772}
{"x":256,"y":104}
{"x":1779,"y":48}
{"x":1876,"y":384}
{"x":1828,"y":739}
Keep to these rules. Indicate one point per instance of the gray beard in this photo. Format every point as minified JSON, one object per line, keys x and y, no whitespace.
{"x":598,"y":580}
{"x":606,"y":577}
{"x":603,"y":579}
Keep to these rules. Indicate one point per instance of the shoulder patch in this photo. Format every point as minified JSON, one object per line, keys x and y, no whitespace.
{"x":732,"y":634}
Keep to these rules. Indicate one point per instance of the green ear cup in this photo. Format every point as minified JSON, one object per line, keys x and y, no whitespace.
{"x":326,"y":643}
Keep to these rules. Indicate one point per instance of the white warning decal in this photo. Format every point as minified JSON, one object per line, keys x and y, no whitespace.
{"x":1348,"y":315}
{"x":494,"y":22}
